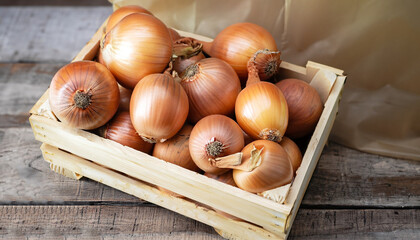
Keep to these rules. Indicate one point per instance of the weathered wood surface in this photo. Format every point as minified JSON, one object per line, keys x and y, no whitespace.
{"x":345,"y":199}
{"x":47,"y":34}
{"x":157,"y":223}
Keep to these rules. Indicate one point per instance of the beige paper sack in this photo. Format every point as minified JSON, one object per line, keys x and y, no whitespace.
{"x":377,"y":43}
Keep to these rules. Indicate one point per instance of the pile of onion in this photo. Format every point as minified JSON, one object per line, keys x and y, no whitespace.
{"x":157,"y":80}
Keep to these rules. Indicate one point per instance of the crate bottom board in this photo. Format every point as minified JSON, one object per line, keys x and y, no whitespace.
{"x":229,"y":228}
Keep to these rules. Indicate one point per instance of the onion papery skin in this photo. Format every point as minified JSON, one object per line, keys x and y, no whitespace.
{"x":261,"y":111}
{"x":137,"y":46}
{"x":237,"y":43}
{"x":121,"y":13}
{"x":293,"y":151}
{"x":176,"y":150}
{"x":275,"y":169}
{"x":125,"y":96}
{"x":211,"y":129}
{"x":174,"y":34}
{"x":158,"y":107}
{"x":212,"y":87}
{"x":305,"y":107}
{"x":90,"y":80}
{"x":121,"y":130}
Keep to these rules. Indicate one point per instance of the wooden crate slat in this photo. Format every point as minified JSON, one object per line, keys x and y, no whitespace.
{"x":151,"y":194}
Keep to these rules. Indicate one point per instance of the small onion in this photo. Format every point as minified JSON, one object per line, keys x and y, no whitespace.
{"x":212,"y":138}
{"x":84,"y":95}
{"x":137,"y":46}
{"x":123,"y":12}
{"x":268,"y":167}
{"x":261,"y":109}
{"x":239,"y":42}
{"x":158,"y":107}
{"x":121,"y":130}
{"x":176,"y":150}
{"x":187,"y":51}
{"x":125,"y":96}
{"x":293,"y":151}
{"x":305,"y":106}
{"x":212,"y":87}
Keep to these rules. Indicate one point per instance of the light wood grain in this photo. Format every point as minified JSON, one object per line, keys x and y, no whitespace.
{"x":136,"y":222}
{"x":344,"y":177}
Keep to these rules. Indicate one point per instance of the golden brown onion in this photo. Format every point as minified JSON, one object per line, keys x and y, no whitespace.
{"x":121,"y":13}
{"x":137,"y":46}
{"x":212,"y":138}
{"x":261,"y":109}
{"x":176,"y":150}
{"x":212,"y":87}
{"x":239,"y":42}
{"x":84,"y":95}
{"x":121,"y":130}
{"x":268,"y":167}
{"x":158,"y":107}
{"x":305,"y":106}
{"x":293,"y":151}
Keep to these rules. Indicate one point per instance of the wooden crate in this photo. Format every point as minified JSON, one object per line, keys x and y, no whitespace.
{"x":76,"y":153}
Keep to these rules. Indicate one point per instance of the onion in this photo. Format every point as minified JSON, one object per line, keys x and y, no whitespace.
{"x":84,"y":95}
{"x":125,"y":96}
{"x":137,"y":46}
{"x":293,"y":151}
{"x":239,"y":42}
{"x":212,"y":138}
{"x":268,"y":166}
{"x":212,"y":87}
{"x":305,"y":106}
{"x":121,"y":130}
{"x":176,"y":150}
{"x":187,"y":51}
{"x":261,"y":109}
{"x":123,"y":12}
{"x":158,"y":107}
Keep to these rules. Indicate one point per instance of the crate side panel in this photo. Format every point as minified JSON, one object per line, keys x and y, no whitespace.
{"x":242,"y":230}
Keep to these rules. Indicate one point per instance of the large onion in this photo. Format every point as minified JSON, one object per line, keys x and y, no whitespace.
{"x":268,"y":167}
{"x":84,"y":95}
{"x":261,"y":109}
{"x":305,"y":106}
{"x":158,"y":107}
{"x":212,"y":87}
{"x":212,"y":138}
{"x":137,"y":46}
{"x":237,"y":43}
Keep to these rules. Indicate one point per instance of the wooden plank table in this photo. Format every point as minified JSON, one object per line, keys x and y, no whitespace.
{"x":351,"y":194}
